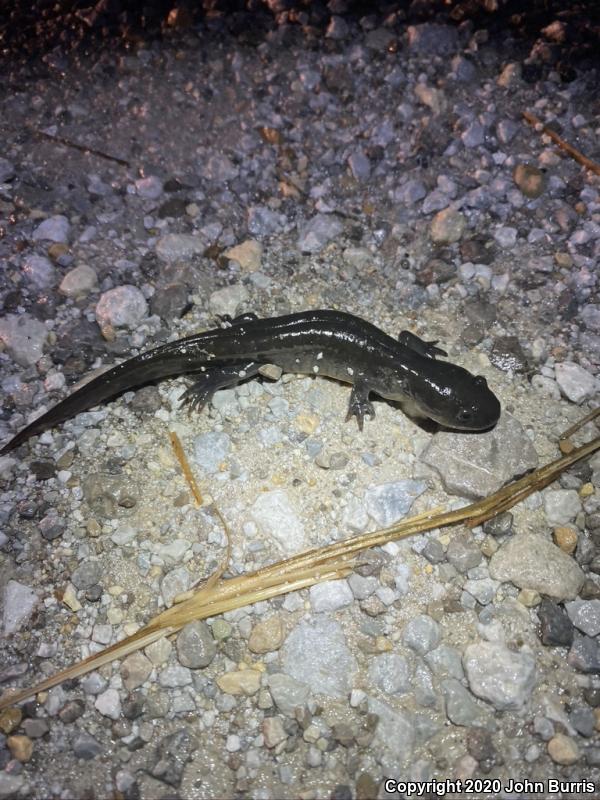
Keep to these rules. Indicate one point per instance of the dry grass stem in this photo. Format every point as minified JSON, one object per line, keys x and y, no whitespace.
{"x":185,"y":467}
{"x":305,"y":569}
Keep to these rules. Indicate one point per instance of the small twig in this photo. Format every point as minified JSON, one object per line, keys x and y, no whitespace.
{"x":568,"y":148}
{"x":83,"y":148}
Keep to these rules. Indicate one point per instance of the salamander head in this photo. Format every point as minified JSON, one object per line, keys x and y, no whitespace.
{"x":455,"y":398}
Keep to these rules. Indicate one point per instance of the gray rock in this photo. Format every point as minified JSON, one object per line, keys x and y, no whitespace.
{"x":172,"y":754}
{"x":499,"y":675}
{"x":175,"y":582}
{"x":109,"y":704}
{"x":500,"y":525}
{"x":317,"y":232}
{"x":463,"y":69}
{"x":24,"y":338}
{"x":135,"y":670}
{"x":474,"y":134}
{"x":421,"y":634}
{"x":196,"y":647}
{"x":219,"y":168}
{"x":394,"y":738}
{"x":461,"y":706}
{"x":362,"y":587}
{"x":575,"y":382}
{"x":463,"y":553}
{"x":12,"y":786}
{"x":433,"y":551}
{"x":228,"y":300}
{"x":506,"y":237}
{"x":585,"y":615}
{"x":93,"y":683}
{"x":389,"y":502}
{"x":316,"y":653}
{"x":179,"y":247}
{"x":583,"y":720}
{"x":87,"y":747}
{"x":435,"y":201}
{"x":175,"y":676}
{"x":482,"y":589}
{"x":476,"y":466}
{"x":561,"y":506}
{"x":19,"y":602}
{"x":51,"y":527}
{"x":211,"y":450}
{"x":422,"y":687}
{"x":390,"y":673}
{"x":433,"y":39}
{"x":276,"y":519}
{"x":170,"y":301}
{"x":337,"y":28}
{"x":532,"y":562}
{"x":545,"y":386}
{"x":584,"y":654}
{"x":410,"y":193}
{"x":125,"y":534}
{"x":506,"y":130}
{"x":79,"y":282}
{"x":263,"y":221}
{"x":87,"y":574}
{"x":122,"y":307}
{"x":287,"y":693}
{"x":590,"y":314}
{"x":330,"y":595}
{"x":7,"y":170}
{"x":150,"y":187}
{"x":53,"y":229}
{"x":39,"y":271}
{"x":556,"y":627}
{"x":445,"y":661}
{"x":35,"y":728}
{"x":360,"y":165}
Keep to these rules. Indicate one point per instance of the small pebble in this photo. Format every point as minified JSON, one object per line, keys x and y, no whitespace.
{"x":530,"y":180}
{"x":240,"y":682}
{"x":565,"y":538}
{"x":266,"y":635}
{"x":447,"y":226}
{"x":54,"y":229}
{"x":563,"y":750}
{"x":21,"y":747}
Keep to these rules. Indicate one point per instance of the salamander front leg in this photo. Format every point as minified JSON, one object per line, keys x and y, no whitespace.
{"x":420,"y":346}
{"x":215,"y":378}
{"x":360,"y":405}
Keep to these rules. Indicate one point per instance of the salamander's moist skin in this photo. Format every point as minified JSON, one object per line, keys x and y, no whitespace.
{"x":329,"y":343}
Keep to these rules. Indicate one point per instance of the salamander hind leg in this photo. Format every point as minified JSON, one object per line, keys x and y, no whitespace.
{"x":201,"y":391}
{"x":420,"y":346}
{"x":360,"y":406}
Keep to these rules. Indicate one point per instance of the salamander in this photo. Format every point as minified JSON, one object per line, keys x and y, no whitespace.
{"x":323,"y":342}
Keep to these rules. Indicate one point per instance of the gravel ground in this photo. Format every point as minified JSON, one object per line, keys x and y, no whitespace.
{"x":273,"y":158}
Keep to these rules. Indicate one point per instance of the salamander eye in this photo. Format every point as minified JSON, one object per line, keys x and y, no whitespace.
{"x":464,"y":415}
{"x":480,"y":381}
